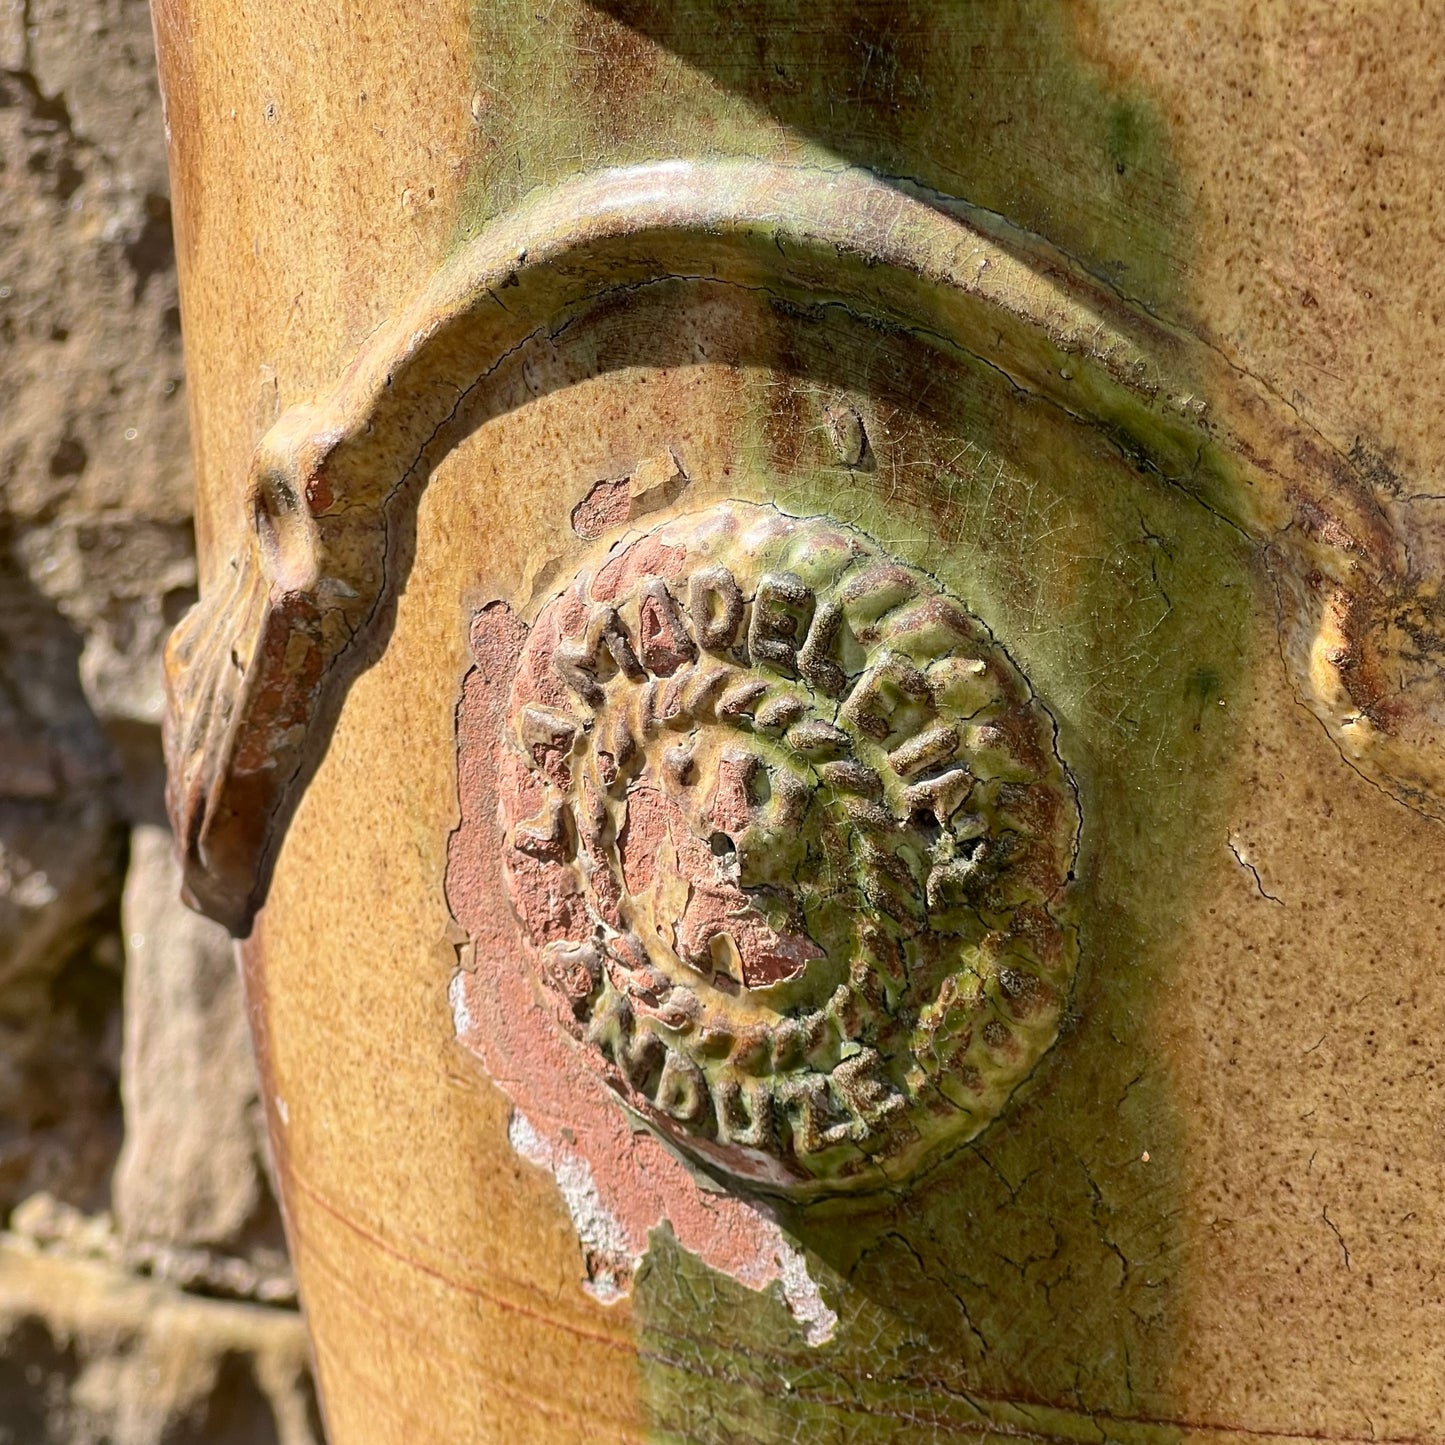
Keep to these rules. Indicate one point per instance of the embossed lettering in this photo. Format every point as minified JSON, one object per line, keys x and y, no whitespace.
{"x":806,"y":1104}
{"x":744,"y":1113}
{"x":636,"y":1052}
{"x":885,"y":689}
{"x":781,"y":609}
{"x":716,"y":604}
{"x":682,"y":1089}
{"x":816,"y":663}
{"x":783,"y":863}
{"x":578,"y":660}
{"x":862,"y":1089}
{"x":664,"y":642}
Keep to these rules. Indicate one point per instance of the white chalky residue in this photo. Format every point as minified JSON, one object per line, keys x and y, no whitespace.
{"x":604,"y":1238}
{"x":457,"y":997}
{"x":613,"y":1257}
{"x":805,"y":1303}
{"x":599,"y":1230}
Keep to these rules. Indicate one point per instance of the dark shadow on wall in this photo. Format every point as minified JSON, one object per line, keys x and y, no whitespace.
{"x":37,"y":1373}
{"x":235,"y":1412}
{"x":63,"y":850}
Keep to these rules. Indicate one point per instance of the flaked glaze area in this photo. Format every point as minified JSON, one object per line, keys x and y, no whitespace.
{"x":788,"y":838}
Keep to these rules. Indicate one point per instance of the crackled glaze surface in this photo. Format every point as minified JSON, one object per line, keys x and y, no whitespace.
{"x":787,"y":834}
{"x":1130,"y":300}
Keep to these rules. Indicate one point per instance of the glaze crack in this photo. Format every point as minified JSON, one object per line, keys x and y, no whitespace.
{"x":1253,"y":873}
{"x":1339,"y":1238}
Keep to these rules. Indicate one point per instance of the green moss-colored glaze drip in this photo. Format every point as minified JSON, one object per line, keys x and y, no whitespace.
{"x":1041,"y":1267}
{"x":731,"y":1366}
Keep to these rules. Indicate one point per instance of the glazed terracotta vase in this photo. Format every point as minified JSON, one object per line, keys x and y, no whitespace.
{"x":817,"y":705}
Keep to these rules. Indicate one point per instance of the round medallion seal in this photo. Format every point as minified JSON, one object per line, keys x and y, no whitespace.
{"x":788,"y":835}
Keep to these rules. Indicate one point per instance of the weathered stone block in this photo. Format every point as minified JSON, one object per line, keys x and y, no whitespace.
{"x":191,"y":1171}
{"x":89,"y":1354}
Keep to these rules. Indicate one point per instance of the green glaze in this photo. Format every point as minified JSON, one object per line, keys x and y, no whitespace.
{"x":1043,"y":1263}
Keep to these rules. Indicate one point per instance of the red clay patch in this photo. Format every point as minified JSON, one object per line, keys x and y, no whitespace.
{"x":607,"y":505}
{"x":512,"y":1024}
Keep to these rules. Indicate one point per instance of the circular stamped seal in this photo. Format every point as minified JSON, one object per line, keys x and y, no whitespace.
{"x":787,"y":835}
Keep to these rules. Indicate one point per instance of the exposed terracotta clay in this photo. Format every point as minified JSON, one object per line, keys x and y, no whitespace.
{"x":619,"y":1179}
{"x":652,"y":483}
{"x":607,"y":505}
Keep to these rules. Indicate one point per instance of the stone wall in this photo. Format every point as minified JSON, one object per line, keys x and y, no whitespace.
{"x":144,"y":1291}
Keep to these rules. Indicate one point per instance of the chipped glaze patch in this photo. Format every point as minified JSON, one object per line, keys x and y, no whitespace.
{"x":786,"y":835}
{"x":607,"y":1246}
{"x":618,"y":1183}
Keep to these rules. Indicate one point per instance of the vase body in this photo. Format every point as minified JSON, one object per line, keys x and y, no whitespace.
{"x":748,"y":259}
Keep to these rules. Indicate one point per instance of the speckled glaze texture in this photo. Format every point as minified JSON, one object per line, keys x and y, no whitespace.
{"x":1112,"y":323}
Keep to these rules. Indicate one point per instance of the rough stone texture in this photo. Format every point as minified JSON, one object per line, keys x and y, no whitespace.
{"x":105,"y":1333}
{"x":89,"y":1354}
{"x":186,"y":1176}
{"x":60,"y":855}
{"x":92,"y":438}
